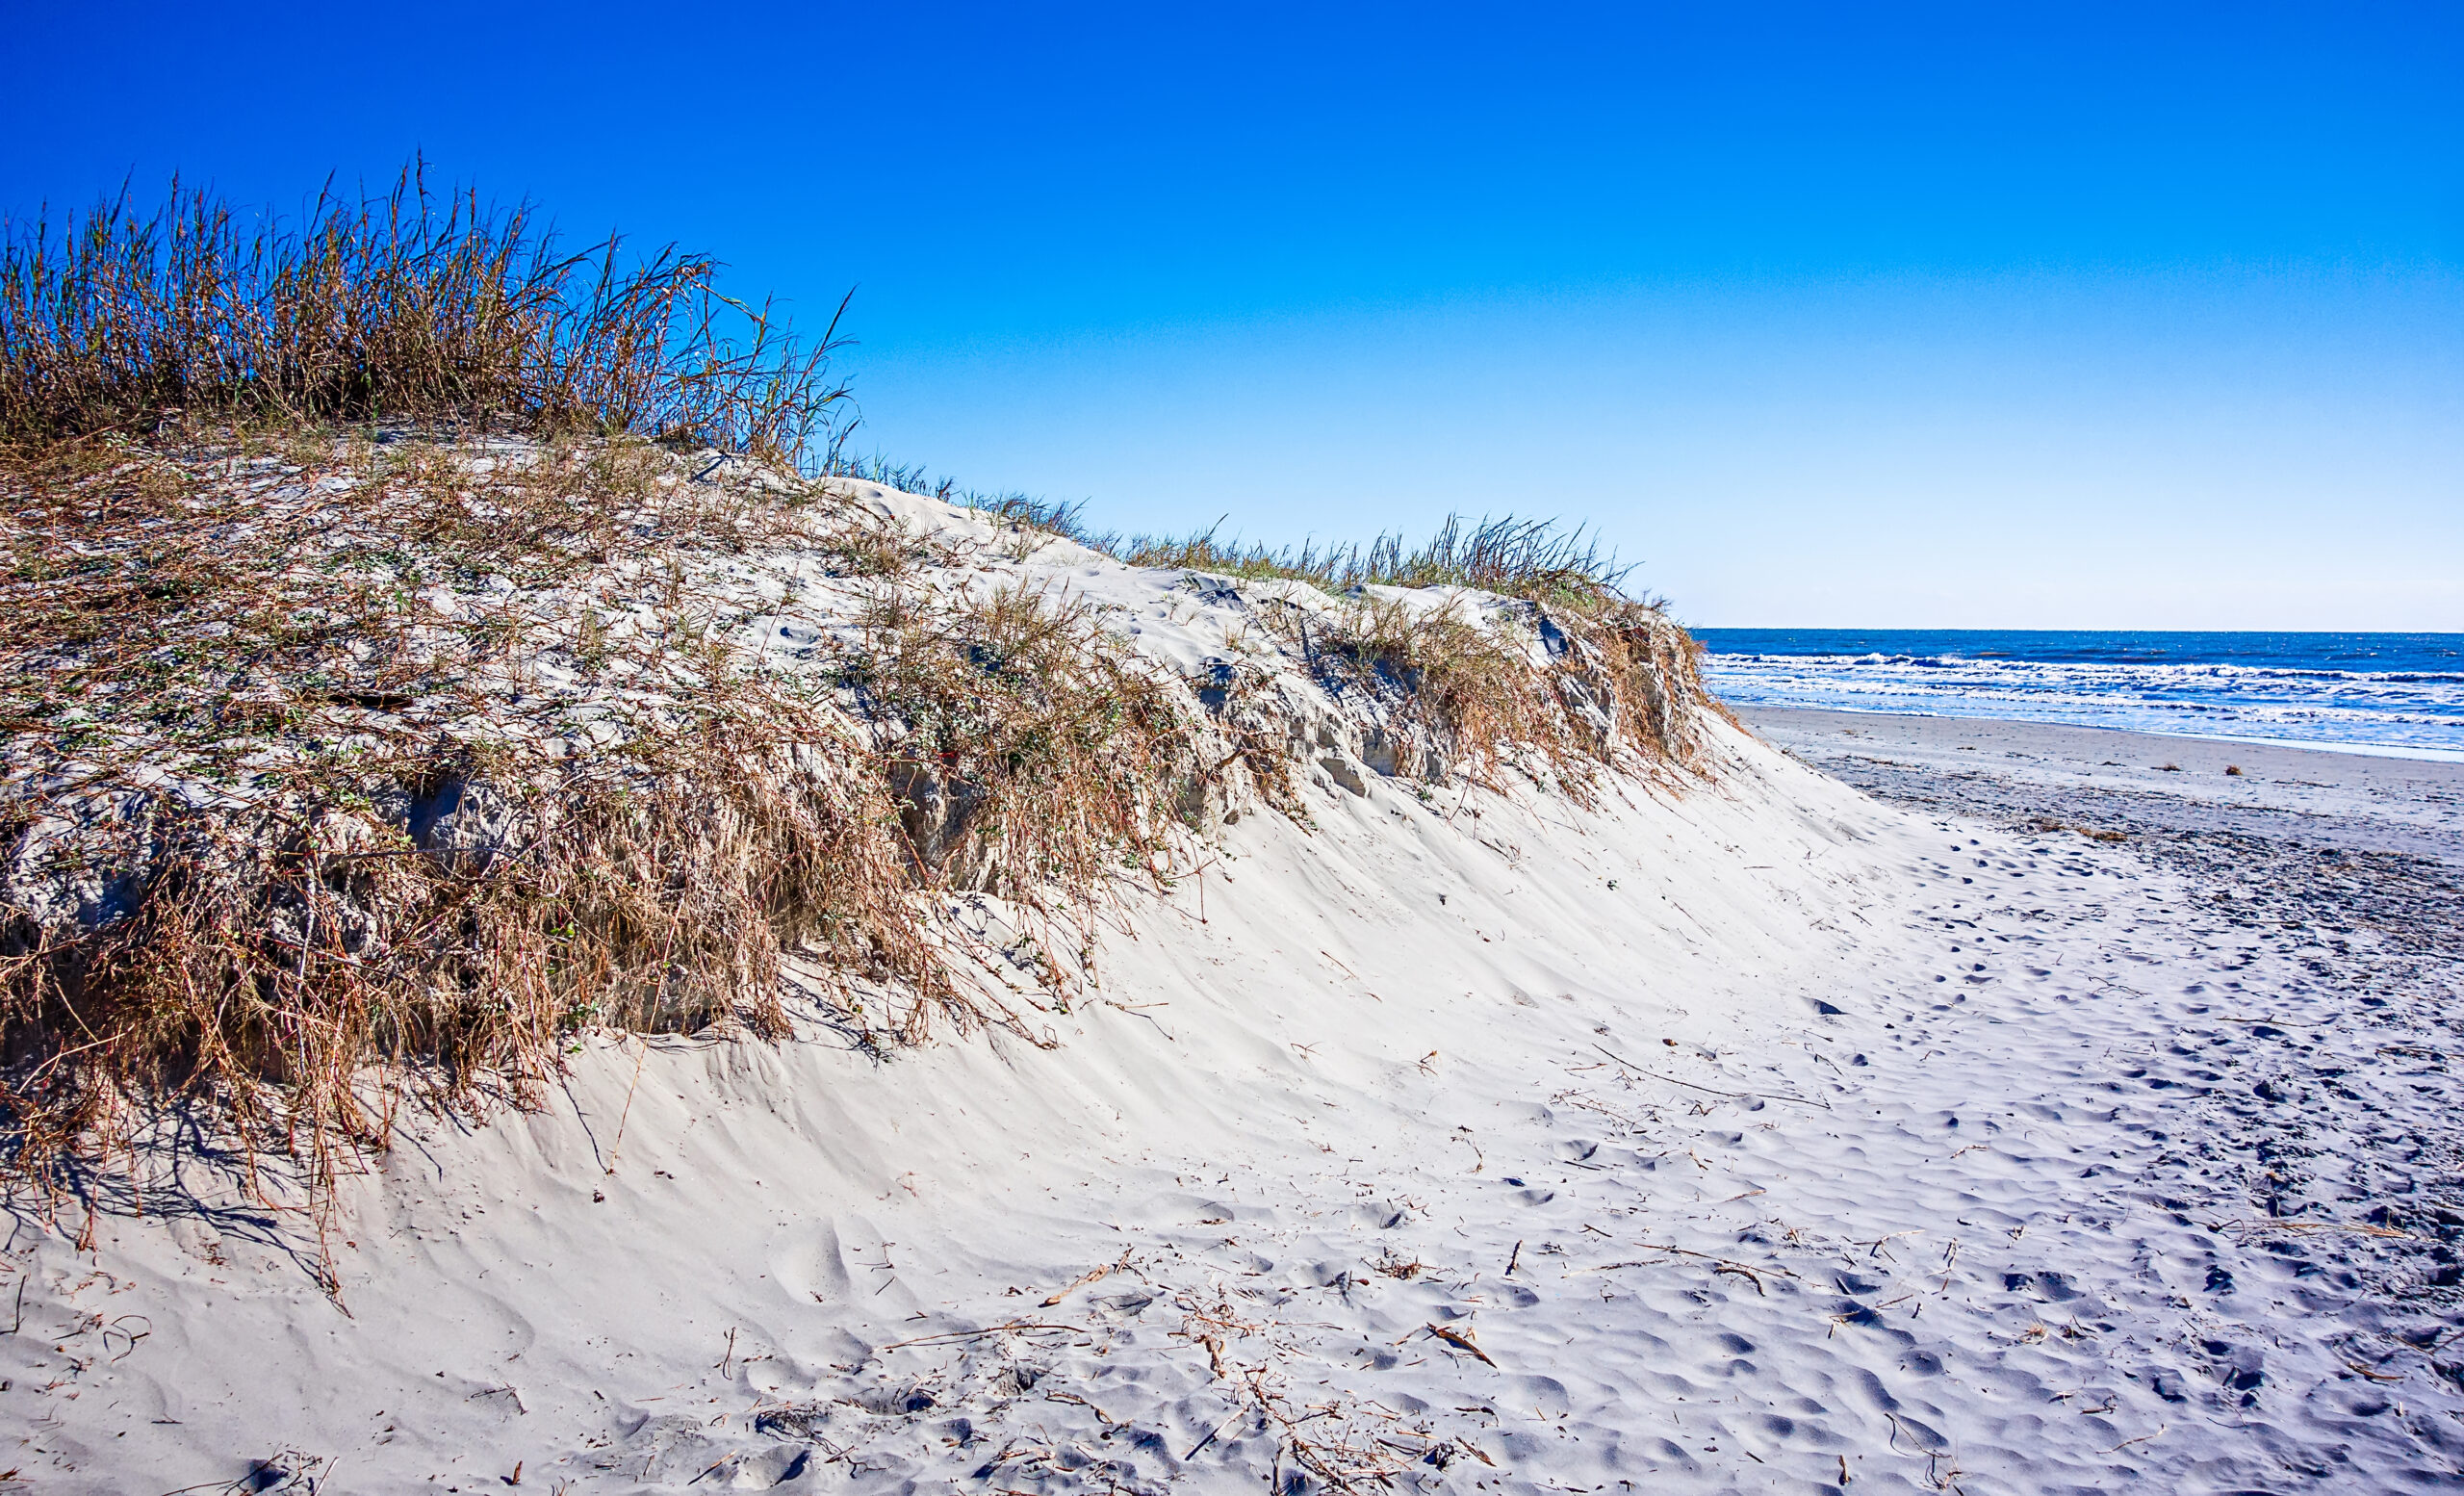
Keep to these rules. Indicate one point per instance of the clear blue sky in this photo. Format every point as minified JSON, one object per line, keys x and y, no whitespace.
{"x":1972,"y":315}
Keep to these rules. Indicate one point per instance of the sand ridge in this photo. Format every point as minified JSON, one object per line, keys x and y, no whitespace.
{"x":1837,"y":1141}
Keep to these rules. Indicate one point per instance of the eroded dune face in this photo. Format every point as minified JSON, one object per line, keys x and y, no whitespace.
{"x":1304,"y":1072}
{"x":1678,"y":1127}
{"x":490,"y":714}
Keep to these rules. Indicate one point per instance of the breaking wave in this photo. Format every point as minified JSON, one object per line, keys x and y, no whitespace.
{"x":2381,"y":692}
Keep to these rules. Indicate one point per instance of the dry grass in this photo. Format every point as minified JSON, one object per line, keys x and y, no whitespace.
{"x":1590,"y":675}
{"x":326,"y":756}
{"x":1591,"y":683}
{"x":1066,"y":520}
{"x":1343,"y":1441}
{"x":407,"y":305}
{"x":1027,"y":749}
{"x":1531,"y":560}
{"x":1451,"y":691}
{"x":2046,"y":823}
{"x":340,"y":762}
{"x":339,"y":769}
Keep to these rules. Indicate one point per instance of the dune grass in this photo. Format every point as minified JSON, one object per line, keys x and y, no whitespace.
{"x":342,"y":768}
{"x":1529,"y":559}
{"x":1455,"y":693}
{"x":339,"y":770}
{"x":407,"y":305}
{"x":1535,"y":559}
{"x":383,"y":701}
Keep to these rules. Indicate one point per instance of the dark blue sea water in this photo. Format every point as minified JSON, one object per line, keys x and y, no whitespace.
{"x":2399,"y":694}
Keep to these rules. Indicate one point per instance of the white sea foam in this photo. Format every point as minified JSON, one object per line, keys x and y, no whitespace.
{"x":2407,"y":712}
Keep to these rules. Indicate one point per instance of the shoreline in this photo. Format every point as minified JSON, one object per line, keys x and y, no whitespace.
{"x":2404,"y":752}
{"x":2145,"y":781}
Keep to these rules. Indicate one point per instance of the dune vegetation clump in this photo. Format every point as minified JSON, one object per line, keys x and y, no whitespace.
{"x":323,"y":752}
{"x":424,"y":645}
{"x":409,"y":306}
{"x":1625,"y":675}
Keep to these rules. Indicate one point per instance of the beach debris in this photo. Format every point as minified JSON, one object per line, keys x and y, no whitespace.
{"x":1734,"y":1095}
{"x":1092,"y":1275}
{"x":1461,"y":1340}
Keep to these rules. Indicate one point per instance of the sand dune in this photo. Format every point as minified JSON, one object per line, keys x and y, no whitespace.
{"x":1757,"y":1134}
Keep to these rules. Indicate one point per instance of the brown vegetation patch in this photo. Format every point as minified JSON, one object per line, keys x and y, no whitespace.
{"x":406,"y":304}
{"x":337,"y":753}
{"x":421,"y":645}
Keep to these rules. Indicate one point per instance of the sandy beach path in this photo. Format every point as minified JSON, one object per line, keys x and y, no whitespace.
{"x":2116,"y":1161}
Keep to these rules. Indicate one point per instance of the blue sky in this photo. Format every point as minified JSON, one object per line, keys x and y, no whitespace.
{"x":2076,"y":316}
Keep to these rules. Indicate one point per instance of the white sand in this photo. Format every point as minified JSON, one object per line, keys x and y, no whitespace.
{"x":1761,"y":1137}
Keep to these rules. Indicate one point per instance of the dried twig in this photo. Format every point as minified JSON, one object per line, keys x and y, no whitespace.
{"x":1092,"y":1275}
{"x":1460,"y":1340}
{"x":1734,"y":1095}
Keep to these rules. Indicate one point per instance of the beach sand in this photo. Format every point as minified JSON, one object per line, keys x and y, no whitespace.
{"x":2138,"y":781}
{"x":1949,"y":1106}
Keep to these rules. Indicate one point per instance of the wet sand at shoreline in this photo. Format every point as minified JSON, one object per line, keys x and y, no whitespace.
{"x":2136,"y":782}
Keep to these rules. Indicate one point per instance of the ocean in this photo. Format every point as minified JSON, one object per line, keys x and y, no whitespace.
{"x":2386,"y":693}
